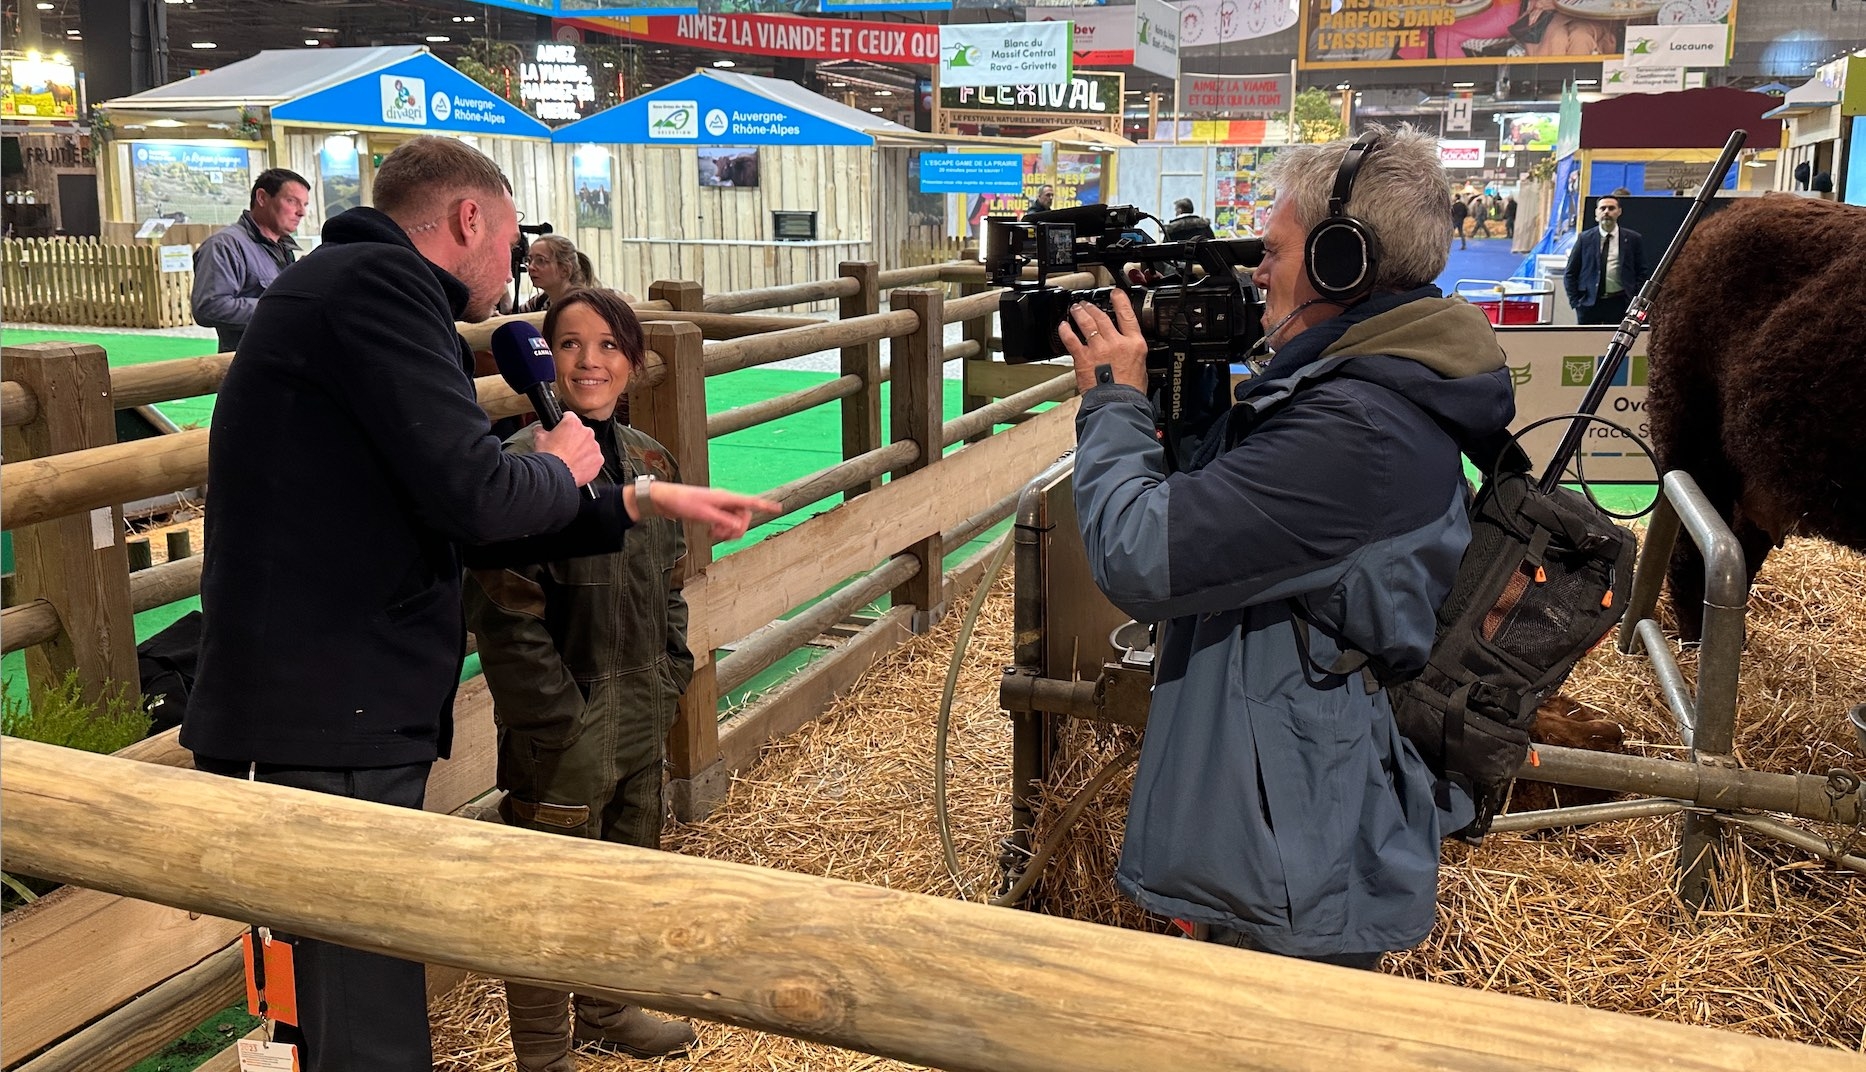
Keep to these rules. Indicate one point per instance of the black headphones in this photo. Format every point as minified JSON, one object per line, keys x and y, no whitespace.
{"x":1341,"y":252}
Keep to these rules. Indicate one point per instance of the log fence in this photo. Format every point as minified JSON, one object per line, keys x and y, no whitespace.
{"x":103,"y":972}
{"x":179,"y":962}
{"x":945,"y":983}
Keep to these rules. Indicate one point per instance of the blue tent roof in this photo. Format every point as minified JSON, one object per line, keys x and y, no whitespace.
{"x":721,"y":108}
{"x":419,"y":93}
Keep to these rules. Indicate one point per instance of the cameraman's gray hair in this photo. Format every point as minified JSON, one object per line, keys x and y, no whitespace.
{"x":1399,"y":193}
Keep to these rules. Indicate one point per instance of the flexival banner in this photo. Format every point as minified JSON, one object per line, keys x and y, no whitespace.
{"x":1006,"y":53}
{"x":420,"y":93}
{"x":1091,"y":99}
{"x":784,"y":35}
{"x":1103,"y":35}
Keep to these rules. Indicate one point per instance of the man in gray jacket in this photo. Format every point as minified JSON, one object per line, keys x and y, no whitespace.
{"x":236,"y":264}
{"x":1276,"y":806}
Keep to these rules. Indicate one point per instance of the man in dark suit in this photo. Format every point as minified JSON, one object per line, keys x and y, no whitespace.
{"x":1606,"y":268}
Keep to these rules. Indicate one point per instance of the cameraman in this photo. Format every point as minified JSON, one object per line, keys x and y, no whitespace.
{"x":1276,"y":806}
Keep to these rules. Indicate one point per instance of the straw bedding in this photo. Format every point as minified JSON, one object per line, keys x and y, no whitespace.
{"x":1583,"y":917}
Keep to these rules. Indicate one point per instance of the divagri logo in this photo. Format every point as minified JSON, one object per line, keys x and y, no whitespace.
{"x":440,"y":106}
{"x":1638,"y":46}
{"x":674,"y":119}
{"x":404,"y":100}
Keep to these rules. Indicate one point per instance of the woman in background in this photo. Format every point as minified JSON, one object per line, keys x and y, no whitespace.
{"x":557,"y":267}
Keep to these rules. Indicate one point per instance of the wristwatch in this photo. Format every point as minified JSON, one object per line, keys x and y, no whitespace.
{"x":644,"y":501}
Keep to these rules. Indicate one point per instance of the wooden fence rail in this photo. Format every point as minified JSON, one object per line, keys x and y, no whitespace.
{"x":84,"y":281}
{"x":896,"y":532}
{"x":951,"y":984}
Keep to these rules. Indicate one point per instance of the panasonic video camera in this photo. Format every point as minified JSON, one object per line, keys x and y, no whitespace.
{"x":1194,"y":300}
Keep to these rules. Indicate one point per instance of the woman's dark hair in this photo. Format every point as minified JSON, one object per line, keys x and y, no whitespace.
{"x":615,"y":312}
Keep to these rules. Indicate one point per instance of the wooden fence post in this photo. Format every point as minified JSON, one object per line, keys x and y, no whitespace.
{"x":77,"y":564}
{"x":683,"y":296}
{"x":917,"y":412}
{"x":674,"y":413}
{"x":861,"y":412}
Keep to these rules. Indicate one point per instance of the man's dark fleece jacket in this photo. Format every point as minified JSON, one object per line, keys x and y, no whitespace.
{"x":350,"y":462}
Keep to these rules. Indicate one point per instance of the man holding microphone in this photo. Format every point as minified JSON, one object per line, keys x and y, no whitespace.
{"x":331,"y":652}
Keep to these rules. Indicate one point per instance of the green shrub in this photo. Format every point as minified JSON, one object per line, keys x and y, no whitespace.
{"x":63,"y":716}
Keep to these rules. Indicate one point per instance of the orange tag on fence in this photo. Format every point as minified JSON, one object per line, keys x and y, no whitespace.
{"x":281,"y":989}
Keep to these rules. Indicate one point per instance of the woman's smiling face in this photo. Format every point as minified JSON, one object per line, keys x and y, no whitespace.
{"x":592,"y":367}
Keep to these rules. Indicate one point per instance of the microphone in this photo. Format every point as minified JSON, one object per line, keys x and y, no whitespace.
{"x":1266,"y":345}
{"x":526,"y":365}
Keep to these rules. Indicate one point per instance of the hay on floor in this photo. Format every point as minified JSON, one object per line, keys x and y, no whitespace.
{"x":1582,"y":917}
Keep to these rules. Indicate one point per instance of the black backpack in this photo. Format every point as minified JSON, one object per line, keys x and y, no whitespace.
{"x":1546,"y":576}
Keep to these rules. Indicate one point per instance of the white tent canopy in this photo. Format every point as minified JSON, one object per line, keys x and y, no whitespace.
{"x":272,"y":77}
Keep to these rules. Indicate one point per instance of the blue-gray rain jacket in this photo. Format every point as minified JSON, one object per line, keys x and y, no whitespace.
{"x":232,"y":268}
{"x":1270,"y":798}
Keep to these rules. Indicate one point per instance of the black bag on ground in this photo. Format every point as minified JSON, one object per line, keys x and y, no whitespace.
{"x":1546,"y":577}
{"x":166,"y":663}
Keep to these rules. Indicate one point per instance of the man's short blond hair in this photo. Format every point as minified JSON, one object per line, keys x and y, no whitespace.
{"x":424,"y":175}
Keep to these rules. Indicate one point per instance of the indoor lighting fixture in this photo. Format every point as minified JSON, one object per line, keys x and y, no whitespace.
{"x":884,"y":93}
{"x":839,"y":85}
{"x":876,"y":109}
{"x":43,"y":6}
{"x":437,"y":39}
{"x":1587,"y":81}
{"x":74,"y":32}
{"x":203,"y":44}
{"x":320,"y":29}
{"x":724,"y":63}
{"x":311,"y":41}
{"x":1343,"y":85}
{"x":1463,"y":85}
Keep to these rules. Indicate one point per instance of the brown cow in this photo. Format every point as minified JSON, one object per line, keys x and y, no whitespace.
{"x":740,"y":170}
{"x":1568,"y":724}
{"x":1758,"y":380}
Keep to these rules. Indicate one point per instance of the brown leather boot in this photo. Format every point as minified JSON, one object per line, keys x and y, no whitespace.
{"x":629,"y":1029}
{"x":540,"y":1028}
